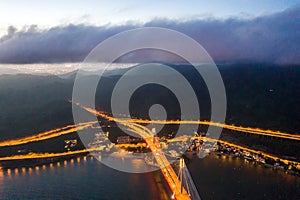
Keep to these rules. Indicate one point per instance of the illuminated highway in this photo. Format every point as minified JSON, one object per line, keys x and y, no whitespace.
{"x":48,"y":155}
{"x":231,"y":127}
{"x":285,"y":161}
{"x":135,"y":126}
{"x":167,"y":170}
{"x":42,"y":155}
{"x":239,"y":147}
{"x":47,"y":135}
{"x":73,"y":128}
{"x":256,"y":131}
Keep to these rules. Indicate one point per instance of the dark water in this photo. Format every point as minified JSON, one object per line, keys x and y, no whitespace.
{"x":215,"y":177}
{"x":84,"y":180}
{"x":222,"y":177}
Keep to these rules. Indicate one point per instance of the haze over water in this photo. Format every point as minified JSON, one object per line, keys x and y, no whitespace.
{"x":57,"y":68}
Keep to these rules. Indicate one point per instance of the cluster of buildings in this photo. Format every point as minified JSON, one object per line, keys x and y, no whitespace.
{"x":258,"y":158}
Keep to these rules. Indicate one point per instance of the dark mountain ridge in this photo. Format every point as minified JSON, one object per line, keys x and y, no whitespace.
{"x":258,"y":95}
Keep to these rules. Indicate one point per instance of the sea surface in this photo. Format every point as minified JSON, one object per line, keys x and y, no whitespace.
{"x":216,"y":177}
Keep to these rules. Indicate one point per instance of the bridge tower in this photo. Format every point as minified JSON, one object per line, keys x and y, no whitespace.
{"x":186,"y":182}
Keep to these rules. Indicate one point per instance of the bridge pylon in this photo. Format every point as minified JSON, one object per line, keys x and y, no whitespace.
{"x":186,"y":182}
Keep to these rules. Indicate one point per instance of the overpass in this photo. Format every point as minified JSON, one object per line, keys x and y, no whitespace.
{"x":175,"y":182}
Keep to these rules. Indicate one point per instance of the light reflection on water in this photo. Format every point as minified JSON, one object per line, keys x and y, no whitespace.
{"x":79,"y":178}
{"x":216,"y":177}
{"x":225,"y":177}
{"x":1,"y":178}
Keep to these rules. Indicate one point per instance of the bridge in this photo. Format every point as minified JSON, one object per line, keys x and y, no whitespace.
{"x":181,"y":184}
{"x":73,"y":128}
{"x":179,"y":190}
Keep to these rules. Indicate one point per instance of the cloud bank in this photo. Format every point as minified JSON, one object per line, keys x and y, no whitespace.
{"x":273,"y":38}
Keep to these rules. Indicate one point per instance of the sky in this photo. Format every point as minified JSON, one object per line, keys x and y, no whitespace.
{"x":241,"y":22}
{"x":47,"y":14}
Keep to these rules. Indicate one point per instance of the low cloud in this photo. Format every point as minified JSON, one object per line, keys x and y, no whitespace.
{"x":272,"y":38}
